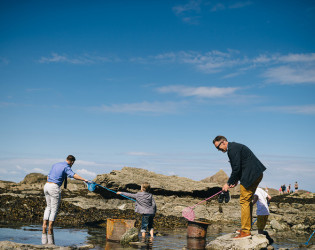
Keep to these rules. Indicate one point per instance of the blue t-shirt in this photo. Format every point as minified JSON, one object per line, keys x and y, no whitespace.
{"x":59,"y":172}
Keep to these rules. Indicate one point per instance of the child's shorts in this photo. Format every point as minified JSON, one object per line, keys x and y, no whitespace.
{"x":147,"y":222}
{"x":261,"y":221}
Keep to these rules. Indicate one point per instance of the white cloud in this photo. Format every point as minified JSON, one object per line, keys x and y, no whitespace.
{"x":290,"y":75}
{"x":30,"y":170}
{"x":303,"y":110}
{"x":143,"y":107}
{"x":188,"y":12}
{"x":192,"y":5}
{"x":239,"y":5}
{"x":83,"y":172}
{"x":298,"y":58}
{"x":206,"y":92}
{"x":209,"y":62}
{"x":218,"y":7}
{"x":87,"y":163}
{"x":15,"y":169}
{"x":83,"y":59}
{"x":37,"y":170}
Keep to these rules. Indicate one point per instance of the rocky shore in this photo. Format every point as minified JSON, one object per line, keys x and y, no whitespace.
{"x":25,"y":202}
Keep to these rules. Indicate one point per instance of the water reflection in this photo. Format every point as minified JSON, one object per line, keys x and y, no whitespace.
{"x":166,"y":239}
{"x":146,"y":243}
{"x":48,"y":239}
{"x":195,"y":243}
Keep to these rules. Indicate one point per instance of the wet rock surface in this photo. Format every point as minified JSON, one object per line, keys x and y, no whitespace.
{"x":255,"y":242}
{"x":25,"y":202}
{"x":8,"y":245}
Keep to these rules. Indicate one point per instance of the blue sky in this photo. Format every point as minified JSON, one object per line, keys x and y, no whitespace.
{"x":149,"y":84}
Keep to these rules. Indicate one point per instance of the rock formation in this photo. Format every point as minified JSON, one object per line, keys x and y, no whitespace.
{"x":220,"y":177}
{"x":25,"y":202}
{"x":256,"y":242}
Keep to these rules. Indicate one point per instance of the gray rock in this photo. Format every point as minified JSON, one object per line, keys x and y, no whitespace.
{"x":130,"y":235}
{"x":8,"y":245}
{"x":256,"y":242}
{"x":299,"y":227}
{"x":130,"y":179}
{"x":276,"y":225}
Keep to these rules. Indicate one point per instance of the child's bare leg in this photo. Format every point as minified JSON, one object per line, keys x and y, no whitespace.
{"x":44,"y":226}
{"x":143,"y":235}
{"x":151,"y":233}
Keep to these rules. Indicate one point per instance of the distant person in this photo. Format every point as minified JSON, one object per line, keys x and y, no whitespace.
{"x":247,"y":169}
{"x":261,"y":198}
{"x":266,"y":189}
{"x":289,"y":189}
{"x":283,"y":188}
{"x":296,"y":187}
{"x":52,"y":190}
{"x":145,"y":205}
{"x":280,"y":190}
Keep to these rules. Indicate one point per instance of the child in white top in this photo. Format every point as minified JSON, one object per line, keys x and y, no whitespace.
{"x":260,"y":197}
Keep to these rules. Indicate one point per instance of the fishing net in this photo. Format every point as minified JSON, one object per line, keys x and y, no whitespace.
{"x":91,"y":186}
{"x":189,"y":213}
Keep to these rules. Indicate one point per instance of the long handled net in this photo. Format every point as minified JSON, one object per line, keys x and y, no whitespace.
{"x":189,"y":213}
{"x":91,"y":185}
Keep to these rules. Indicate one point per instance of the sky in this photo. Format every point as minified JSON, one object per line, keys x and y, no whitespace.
{"x":150,"y":84}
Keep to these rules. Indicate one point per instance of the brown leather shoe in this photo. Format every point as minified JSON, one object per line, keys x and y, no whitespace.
{"x":242,"y":235}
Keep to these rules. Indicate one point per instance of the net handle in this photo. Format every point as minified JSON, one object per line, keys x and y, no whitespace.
{"x":111,"y":190}
{"x":207,"y":199}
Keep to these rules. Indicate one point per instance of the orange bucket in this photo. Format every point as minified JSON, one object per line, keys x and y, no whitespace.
{"x":115,"y":228}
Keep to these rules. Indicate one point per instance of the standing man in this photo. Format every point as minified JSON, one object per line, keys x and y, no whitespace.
{"x":247,"y":169}
{"x":52,"y":189}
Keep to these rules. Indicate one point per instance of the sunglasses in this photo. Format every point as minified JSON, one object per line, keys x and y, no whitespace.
{"x":218,"y":147}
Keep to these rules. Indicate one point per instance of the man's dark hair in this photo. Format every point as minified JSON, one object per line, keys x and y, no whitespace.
{"x":71,"y":158}
{"x":219,"y":138}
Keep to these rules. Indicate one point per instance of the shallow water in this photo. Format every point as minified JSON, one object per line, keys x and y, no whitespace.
{"x":166,"y":238}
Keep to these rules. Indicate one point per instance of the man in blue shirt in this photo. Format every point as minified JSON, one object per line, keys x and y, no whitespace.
{"x":52,"y":189}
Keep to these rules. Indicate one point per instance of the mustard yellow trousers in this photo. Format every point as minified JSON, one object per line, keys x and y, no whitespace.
{"x":246,"y":198}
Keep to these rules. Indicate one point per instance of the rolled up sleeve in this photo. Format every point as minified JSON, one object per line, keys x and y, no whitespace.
{"x":69,"y":172}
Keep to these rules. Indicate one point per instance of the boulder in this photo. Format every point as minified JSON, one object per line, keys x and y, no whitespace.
{"x":34,"y":178}
{"x":130,"y":180}
{"x":300,"y":227}
{"x":256,"y":242}
{"x":277,"y":225}
{"x":220,"y":177}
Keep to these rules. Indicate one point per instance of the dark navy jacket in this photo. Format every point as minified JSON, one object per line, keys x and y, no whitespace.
{"x":246,"y":168}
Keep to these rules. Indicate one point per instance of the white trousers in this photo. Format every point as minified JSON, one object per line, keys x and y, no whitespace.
{"x":52,"y":194}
